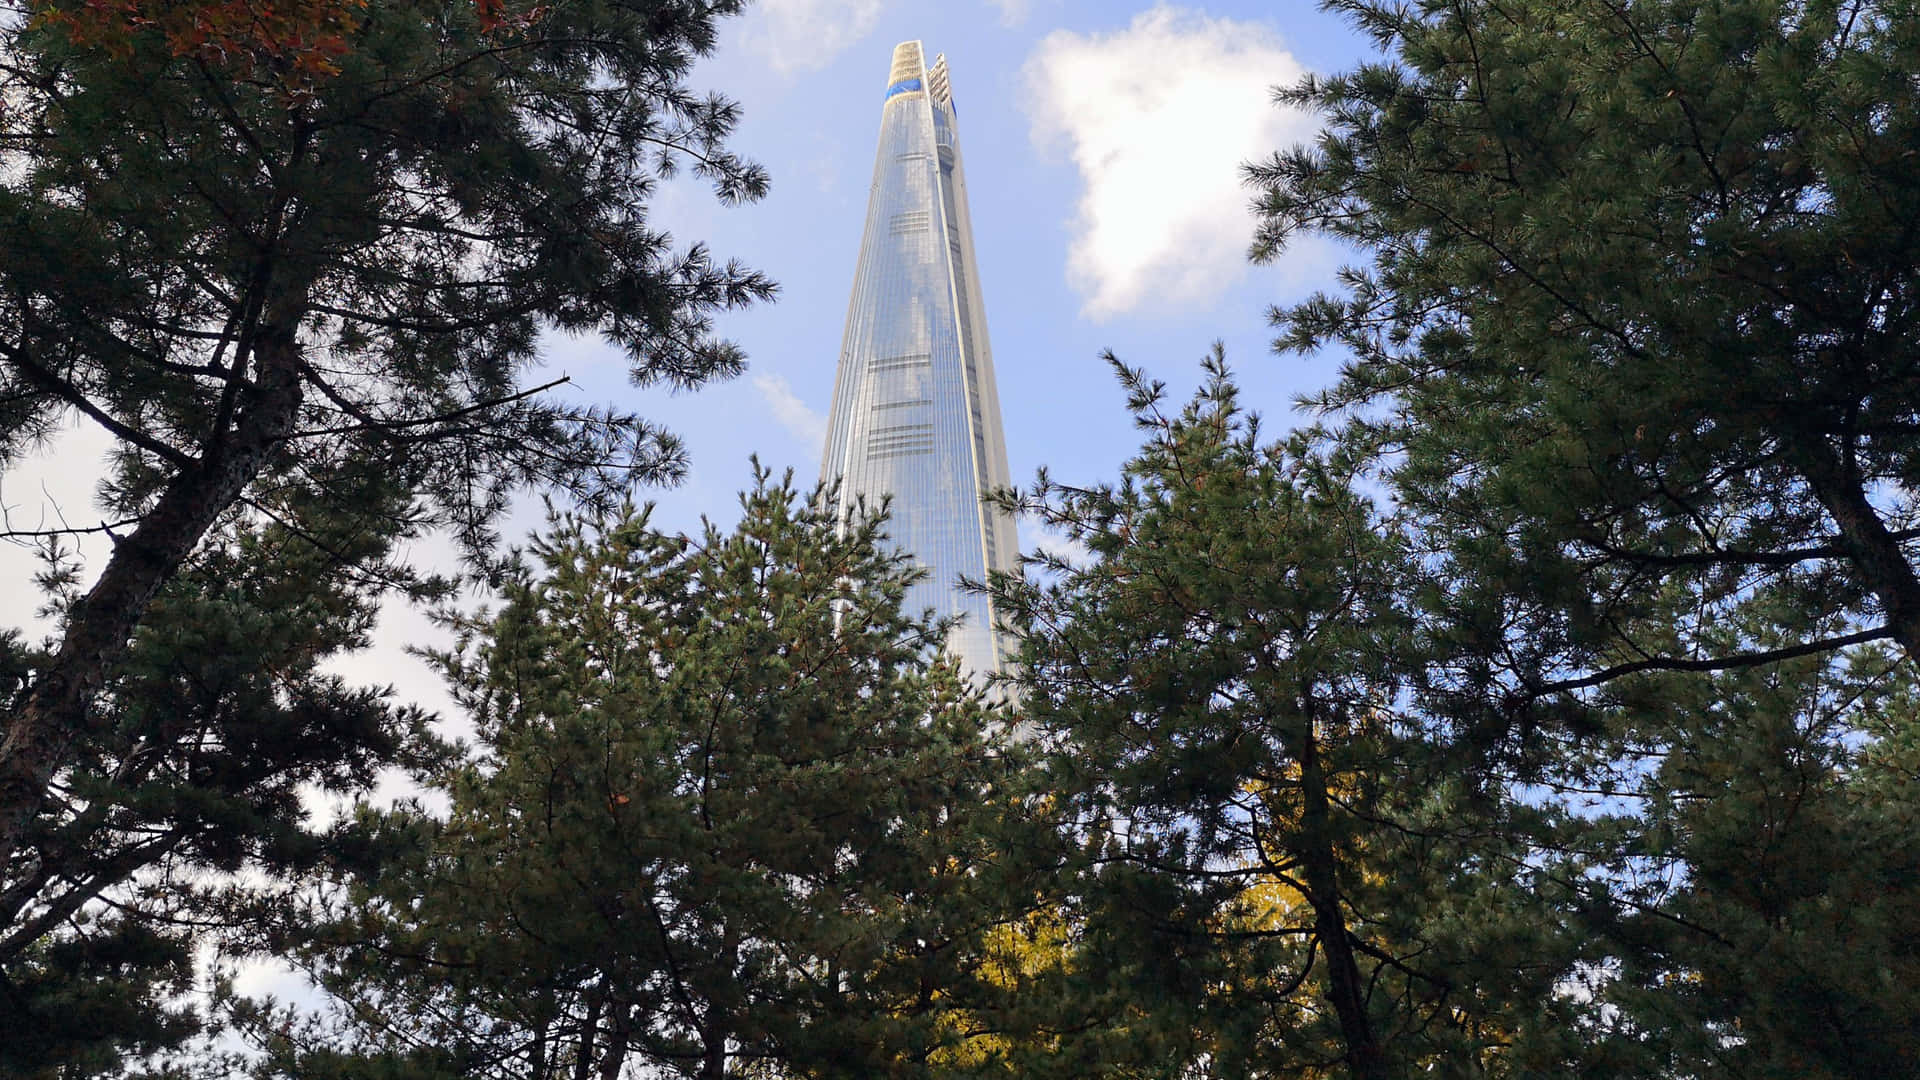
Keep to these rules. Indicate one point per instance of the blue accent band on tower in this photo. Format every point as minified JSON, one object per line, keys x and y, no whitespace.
{"x":904,"y":86}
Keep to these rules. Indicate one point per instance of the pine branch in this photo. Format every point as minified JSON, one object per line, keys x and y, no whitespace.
{"x":1719,"y":663}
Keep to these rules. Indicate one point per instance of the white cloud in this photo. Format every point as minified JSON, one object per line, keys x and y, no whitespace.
{"x":48,"y":488}
{"x":806,"y":35}
{"x":1012,"y":12}
{"x":794,"y":415}
{"x":1158,"y":118}
{"x":1036,"y":538}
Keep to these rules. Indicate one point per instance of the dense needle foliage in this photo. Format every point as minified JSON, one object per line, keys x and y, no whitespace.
{"x":1633,"y":345}
{"x":295,"y":262}
{"x":729,"y":818}
{"x":1638,"y":332}
{"x":1285,"y":870}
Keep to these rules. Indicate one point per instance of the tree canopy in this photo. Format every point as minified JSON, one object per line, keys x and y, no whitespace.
{"x":298,"y":267}
{"x":1637,"y":330}
{"x":1287,"y":871}
{"x":730,"y":817}
{"x":1630,"y":344}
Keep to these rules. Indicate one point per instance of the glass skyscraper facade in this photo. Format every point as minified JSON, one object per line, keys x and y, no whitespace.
{"x":915,"y":413}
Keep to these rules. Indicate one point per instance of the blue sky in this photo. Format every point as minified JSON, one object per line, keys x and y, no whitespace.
{"x":1101,"y":143}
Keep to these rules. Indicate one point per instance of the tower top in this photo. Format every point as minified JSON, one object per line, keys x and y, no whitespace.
{"x":909,"y":72}
{"x":909,"y":62}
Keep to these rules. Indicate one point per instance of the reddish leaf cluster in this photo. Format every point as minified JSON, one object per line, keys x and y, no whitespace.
{"x":495,"y":18}
{"x":293,"y":42}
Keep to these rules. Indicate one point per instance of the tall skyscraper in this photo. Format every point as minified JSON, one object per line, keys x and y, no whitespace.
{"x":915,"y":413}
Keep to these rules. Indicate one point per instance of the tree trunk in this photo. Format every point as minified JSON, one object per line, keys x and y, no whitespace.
{"x":537,"y":1052}
{"x":589,"y":1032}
{"x":713,"y":1065}
{"x":1321,"y":865}
{"x":1869,"y":545}
{"x":619,"y":1027}
{"x":98,"y":629}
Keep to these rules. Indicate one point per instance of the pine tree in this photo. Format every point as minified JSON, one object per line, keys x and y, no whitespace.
{"x":186,"y":816}
{"x":297,"y":265}
{"x":1751,"y":918}
{"x":1635,"y":351}
{"x":728,"y":819}
{"x":1638,"y":332}
{"x":1285,"y":874}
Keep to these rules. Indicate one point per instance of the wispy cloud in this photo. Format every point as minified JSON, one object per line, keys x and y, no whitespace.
{"x":1012,"y":12}
{"x":1036,"y":538}
{"x":793,"y":414}
{"x":1158,"y":118}
{"x":806,"y":35}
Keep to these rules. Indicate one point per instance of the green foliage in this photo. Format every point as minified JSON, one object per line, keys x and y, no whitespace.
{"x":1584,"y":755}
{"x":1638,"y":332}
{"x":1634,"y":349}
{"x":1754,"y":915}
{"x":184,"y":816}
{"x":306,"y":307}
{"x":728,"y":819}
{"x":81,"y":1002}
{"x":1284,"y":870}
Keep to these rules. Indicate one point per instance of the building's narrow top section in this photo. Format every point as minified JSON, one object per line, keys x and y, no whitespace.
{"x":909,"y":74}
{"x":908,"y":63}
